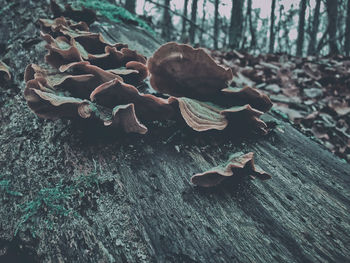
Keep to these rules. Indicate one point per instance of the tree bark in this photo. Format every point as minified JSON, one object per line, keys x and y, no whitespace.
{"x":166,"y":23}
{"x":279,"y":26}
{"x":272,"y":26}
{"x":216,"y":23}
{"x":130,"y":5}
{"x":314,"y":30}
{"x":251,"y":28}
{"x":192,"y":32}
{"x":332,"y":11}
{"x":183,"y":30}
{"x":236,"y":24}
{"x":301,"y":28}
{"x":183,"y":17}
{"x":347,"y":31}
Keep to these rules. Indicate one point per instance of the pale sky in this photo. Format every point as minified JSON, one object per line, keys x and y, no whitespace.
{"x":225,"y":9}
{"x":225,"y":6}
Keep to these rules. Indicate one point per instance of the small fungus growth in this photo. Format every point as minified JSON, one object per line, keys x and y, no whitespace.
{"x":238,"y":164}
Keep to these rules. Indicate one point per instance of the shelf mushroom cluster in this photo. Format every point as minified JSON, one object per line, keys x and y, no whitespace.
{"x":92,"y":78}
{"x":88,"y":77}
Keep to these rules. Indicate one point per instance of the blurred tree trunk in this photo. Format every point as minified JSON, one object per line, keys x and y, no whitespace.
{"x":332,"y":11}
{"x":245,"y":27}
{"x":279,"y":26}
{"x":216,"y":24}
{"x":347,"y":31}
{"x":251,"y":28}
{"x":225,"y":28}
{"x":315,"y":23}
{"x":272,"y":25}
{"x":183,"y":30}
{"x":236,"y":23}
{"x":166,"y":23}
{"x":203,"y":20}
{"x":288,"y":24}
{"x":192,"y":31}
{"x":301,"y":28}
{"x":130,"y":5}
{"x":263,"y":34}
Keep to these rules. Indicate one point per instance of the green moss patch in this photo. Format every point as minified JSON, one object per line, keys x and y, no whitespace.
{"x":114,"y":13}
{"x":51,"y":203}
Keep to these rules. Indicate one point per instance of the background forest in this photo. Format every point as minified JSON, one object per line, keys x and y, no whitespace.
{"x":305,"y":27}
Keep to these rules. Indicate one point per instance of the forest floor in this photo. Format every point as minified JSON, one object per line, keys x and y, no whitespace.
{"x":313,"y":93}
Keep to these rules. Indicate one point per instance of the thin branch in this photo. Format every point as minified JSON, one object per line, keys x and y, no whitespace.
{"x":323,"y":43}
{"x":183,"y":17}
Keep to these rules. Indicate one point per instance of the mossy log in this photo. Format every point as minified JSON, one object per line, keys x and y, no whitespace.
{"x":143,"y":208}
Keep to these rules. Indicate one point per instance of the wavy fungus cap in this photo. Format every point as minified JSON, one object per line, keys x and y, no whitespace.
{"x":181,"y":70}
{"x":238,"y":164}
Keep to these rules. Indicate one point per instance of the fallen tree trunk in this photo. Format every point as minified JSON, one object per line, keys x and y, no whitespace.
{"x":128,"y":198}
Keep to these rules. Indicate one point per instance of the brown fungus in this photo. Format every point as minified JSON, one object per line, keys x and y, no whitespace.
{"x":200,"y":116}
{"x":67,"y":49}
{"x":238,"y":164}
{"x":204,"y":116}
{"x":52,"y":26}
{"x":247,"y":95}
{"x":124,"y":116}
{"x":147,"y":106}
{"x":84,"y":67}
{"x":52,"y":94}
{"x":245,"y":117}
{"x":79,"y":85}
{"x":49,"y":105}
{"x":206,"y":101}
{"x":180,"y":70}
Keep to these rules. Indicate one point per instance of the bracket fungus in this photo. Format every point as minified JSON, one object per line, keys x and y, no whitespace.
{"x":93,"y":78}
{"x":64,"y":91}
{"x":202,"y":86}
{"x":238,"y":164}
{"x":183,"y":71}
